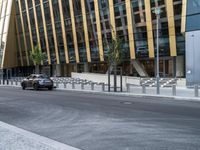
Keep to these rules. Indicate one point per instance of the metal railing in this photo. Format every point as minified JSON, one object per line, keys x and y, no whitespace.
{"x":81,"y":84}
{"x":170,"y":91}
{"x":65,"y":83}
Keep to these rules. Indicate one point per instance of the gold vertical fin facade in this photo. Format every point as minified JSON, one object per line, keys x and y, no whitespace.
{"x":19,"y":42}
{"x":85,"y":26}
{"x":183,"y":16}
{"x":99,"y":33}
{"x":130,"y":29}
{"x":112,"y":18}
{"x":63,"y":31}
{"x":29,"y":25}
{"x":9,"y":59}
{"x":45,"y":32}
{"x":149,"y":28}
{"x":36,"y":24}
{"x":171,"y":27}
{"x":74,"y":30}
{"x":23,"y":31}
{"x":54,"y":32}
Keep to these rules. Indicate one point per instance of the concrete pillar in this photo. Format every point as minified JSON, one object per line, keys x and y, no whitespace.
{"x":180,"y":66}
{"x":174,"y":67}
{"x":164,"y":68}
{"x":65,"y":70}
{"x":86,"y":67}
{"x":58,"y":70}
{"x":75,"y":67}
{"x":131,"y":69}
{"x":171,"y":67}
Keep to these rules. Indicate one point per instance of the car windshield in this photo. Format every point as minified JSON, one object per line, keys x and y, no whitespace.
{"x":43,"y":76}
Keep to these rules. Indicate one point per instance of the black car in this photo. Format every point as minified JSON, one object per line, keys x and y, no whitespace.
{"x":37,"y":81}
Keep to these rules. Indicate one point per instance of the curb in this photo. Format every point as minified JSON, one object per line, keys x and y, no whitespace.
{"x":36,"y":137}
{"x":132,"y":95}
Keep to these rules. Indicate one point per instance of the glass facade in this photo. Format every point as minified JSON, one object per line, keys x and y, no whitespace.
{"x":138,"y":14}
{"x":193,"y":15}
{"x":79,"y":29}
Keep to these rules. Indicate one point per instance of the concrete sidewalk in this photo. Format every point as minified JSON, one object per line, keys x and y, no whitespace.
{"x":181,"y":92}
{"x":13,"y":138}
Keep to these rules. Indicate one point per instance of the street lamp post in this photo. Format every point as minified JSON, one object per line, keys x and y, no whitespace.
{"x":157,"y":12}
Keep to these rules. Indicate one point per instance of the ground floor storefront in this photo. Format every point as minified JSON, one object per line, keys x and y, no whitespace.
{"x":169,"y":67}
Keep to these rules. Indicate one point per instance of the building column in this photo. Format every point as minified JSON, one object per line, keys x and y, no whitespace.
{"x":75,"y":67}
{"x":86,"y":67}
{"x":131,"y":69}
{"x":58,"y":70}
{"x":65,"y":70}
{"x":164,"y":68}
{"x":180,"y":66}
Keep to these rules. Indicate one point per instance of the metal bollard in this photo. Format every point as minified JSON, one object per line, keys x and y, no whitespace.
{"x":92,"y":86}
{"x":82,"y":86}
{"x":65,"y":85}
{"x":103,"y":87}
{"x":73,"y":85}
{"x":128,"y":87}
{"x":143,"y":89}
{"x":174,"y":90}
{"x":196,"y":91}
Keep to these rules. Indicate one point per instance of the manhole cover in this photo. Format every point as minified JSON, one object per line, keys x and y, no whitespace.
{"x":127,"y":103}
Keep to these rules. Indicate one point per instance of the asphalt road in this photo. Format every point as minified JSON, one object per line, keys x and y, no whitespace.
{"x":99,"y":122}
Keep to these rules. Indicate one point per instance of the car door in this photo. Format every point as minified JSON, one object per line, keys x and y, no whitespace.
{"x":30,"y":80}
{"x":25,"y":81}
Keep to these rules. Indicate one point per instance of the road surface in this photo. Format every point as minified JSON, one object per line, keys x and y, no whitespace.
{"x":100,"y":122}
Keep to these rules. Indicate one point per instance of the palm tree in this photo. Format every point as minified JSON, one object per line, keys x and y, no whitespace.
{"x":38,"y":57}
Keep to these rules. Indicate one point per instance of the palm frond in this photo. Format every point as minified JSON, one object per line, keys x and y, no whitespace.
{"x":37,"y":55}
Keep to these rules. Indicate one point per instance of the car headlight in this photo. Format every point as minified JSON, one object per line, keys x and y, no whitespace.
{"x":41,"y":82}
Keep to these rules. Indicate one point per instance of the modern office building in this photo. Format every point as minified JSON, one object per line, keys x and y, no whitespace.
{"x":193,"y":43}
{"x":72,"y":33}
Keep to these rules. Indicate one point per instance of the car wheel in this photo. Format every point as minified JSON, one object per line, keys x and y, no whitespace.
{"x":35,"y":86}
{"x":50,"y":88}
{"x":23,"y":86}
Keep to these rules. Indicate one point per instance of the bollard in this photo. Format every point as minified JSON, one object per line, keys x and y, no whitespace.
{"x":92,"y":86}
{"x":11,"y":82}
{"x":73,"y":85}
{"x":128,"y":87}
{"x":15,"y":82}
{"x":0,"y":82}
{"x":82,"y":86}
{"x":174,"y":90}
{"x":103,"y":87}
{"x":143,"y":89}
{"x":196,"y":91}
{"x":65,"y":85}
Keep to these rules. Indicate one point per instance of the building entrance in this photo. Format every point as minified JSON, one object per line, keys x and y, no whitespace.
{"x":166,"y":67}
